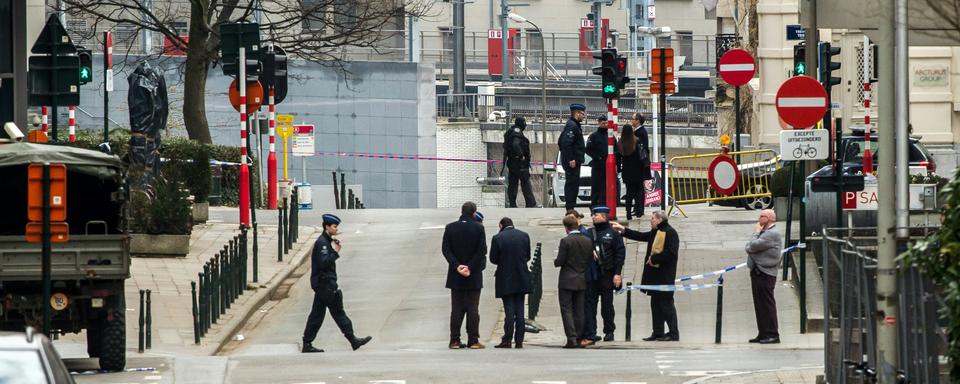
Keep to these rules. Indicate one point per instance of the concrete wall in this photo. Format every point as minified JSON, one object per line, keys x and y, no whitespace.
{"x":457,"y":181}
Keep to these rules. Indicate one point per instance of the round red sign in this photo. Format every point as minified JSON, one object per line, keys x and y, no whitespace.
{"x":723,"y":175}
{"x":801,"y":102}
{"x":737,"y":67}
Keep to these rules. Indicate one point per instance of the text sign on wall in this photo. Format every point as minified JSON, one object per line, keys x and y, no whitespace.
{"x":931,"y":76}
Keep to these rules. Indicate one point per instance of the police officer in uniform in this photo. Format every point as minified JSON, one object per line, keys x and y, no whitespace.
{"x":610,"y":254}
{"x":326,"y":294}
{"x":572,"y":153}
{"x":516,"y":148}
{"x":597,"y":149}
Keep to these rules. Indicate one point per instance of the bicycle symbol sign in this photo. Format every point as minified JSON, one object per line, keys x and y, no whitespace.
{"x":807,"y":144}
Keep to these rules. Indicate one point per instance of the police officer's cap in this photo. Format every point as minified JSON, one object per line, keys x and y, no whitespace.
{"x":478,"y":216}
{"x":329,"y":219}
{"x":600,"y":209}
{"x":601,"y":119}
{"x":577,"y":107}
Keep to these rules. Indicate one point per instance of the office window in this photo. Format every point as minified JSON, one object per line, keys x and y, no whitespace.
{"x":315,"y":15}
{"x":684,"y":45}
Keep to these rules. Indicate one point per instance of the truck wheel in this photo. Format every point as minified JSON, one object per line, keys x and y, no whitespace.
{"x":113,"y":353}
{"x":94,"y":336}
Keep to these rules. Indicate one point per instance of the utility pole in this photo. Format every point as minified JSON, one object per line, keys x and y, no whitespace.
{"x":598,"y":24}
{"x":458,"y":58}
{"x":505,"y":38}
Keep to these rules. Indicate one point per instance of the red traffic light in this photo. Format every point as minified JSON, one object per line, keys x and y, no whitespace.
{"x":621,"y":65}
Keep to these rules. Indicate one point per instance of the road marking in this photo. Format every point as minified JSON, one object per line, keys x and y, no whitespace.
{"x":388,"y":382}
{"x":628,"y":382}
{"x":433,"y":227}
{"x":548,"y":382}
{"x":157,"y":377}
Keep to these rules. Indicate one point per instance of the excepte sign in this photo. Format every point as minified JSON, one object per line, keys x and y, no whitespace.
{"x":804,"y":144}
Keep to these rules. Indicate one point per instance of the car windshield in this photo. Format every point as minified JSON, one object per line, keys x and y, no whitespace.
{"x":853,"y":153}
{"x":21,"y":366}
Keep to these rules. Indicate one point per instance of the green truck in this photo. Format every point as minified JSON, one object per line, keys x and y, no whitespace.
{"x":88,"y":270}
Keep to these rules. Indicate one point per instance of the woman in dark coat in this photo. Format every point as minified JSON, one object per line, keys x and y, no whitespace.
{"x":635,"y":152}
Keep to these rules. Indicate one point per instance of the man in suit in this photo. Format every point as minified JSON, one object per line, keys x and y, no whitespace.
{"x":326,"y":293}
{"x":763,"y":257}
{"x":465,"y":249}
{"x":608,"y":265}
{"x":510,"y":251}
{"x":572,"y":151}
{"x":576,"y":250}
{"x":660,"y":268}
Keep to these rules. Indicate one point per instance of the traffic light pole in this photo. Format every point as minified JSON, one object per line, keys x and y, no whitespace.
{"x":663,"y":135}
{"x":107,"y":82}
{"x":611,"y":162}
{"x":244,"y":169}
{"x":272,"y":156}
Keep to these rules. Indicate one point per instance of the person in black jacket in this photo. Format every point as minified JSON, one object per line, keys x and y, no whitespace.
{"x":660,"y":268}
{"x":610,"y":254}
{"x":635,"y":164}
{"x":573,"y":256}
{"x":516,"y":149}
{"x":572,"y":154}
{"x":597,"y":149}
{"x":326,"y":293}
{"x":510,"y":251}
{"x":465,"y":249}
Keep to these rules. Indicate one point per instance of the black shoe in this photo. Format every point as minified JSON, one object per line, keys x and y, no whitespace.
{"x":518,"y":345}
{"x":456,"y":344}
{"x":503,"y":344}
{"x":571,"y":344}
{"x":755,"y":339}
{"x":608,"y":337}
{"x":653,"y":337}
{"x":308,"y":348}
{"x":769,"y":340}
{"x":594,"y":338}
{"x":669,"y":338}
{"x":356,"y":343}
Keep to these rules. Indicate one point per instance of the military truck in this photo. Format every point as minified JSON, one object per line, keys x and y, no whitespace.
{"x":87,"y":271}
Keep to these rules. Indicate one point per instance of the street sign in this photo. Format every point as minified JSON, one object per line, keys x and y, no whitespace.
{"x":804,"y":144}
{"x":254,"y":96}
{"x":671,"y":88}
{"x":801,"y":101}
{"x":58,"y":192}
{"x":285,"y":119}
{"x":59,"y":232}
{"x":303,"y":141}
{"x":795,"y":32}
{"x":723,"y":175}
{"x":52,"y":38}
{"x":868,"y":200}
{"x":232,"y":37}
{"x":737,"y":67}
{"x":659,"y":54}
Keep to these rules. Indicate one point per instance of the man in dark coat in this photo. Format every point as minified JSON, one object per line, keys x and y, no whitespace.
{"x":597,"y":149}
{"x":635,"y":164}
{"x":326,"y":293}
{"x":576,"y":250}
{"x":609,"y":254}
{"x":660,"y":268}
{"x":572,"y":151}
{"x":465,"y":248}
{"x":510,"y":251}
{"x":516,"y":149}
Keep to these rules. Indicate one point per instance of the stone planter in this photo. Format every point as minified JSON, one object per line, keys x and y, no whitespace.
{"x":145,"y":245}
{"x":201,"y":212}
{"x":780,"y":208}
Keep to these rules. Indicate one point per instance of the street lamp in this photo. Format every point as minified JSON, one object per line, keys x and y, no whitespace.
{"x":543,"y":89}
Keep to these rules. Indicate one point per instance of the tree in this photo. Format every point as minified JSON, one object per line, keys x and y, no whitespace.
{"x":320,"y":31}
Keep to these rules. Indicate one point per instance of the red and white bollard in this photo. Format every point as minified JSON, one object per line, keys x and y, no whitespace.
{"x":244,"y":169}
{"x":44,"y":119}
{"x":272,"y":156}
{"x":73,"y":124}
{"x":611,"y":163}
{"x":867,"y":153}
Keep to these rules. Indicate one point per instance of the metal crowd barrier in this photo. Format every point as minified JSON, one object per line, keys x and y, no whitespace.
{"x":689,"y":183}
{"x":223,"y":280}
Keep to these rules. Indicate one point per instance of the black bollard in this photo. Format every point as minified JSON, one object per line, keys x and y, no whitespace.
{"x":356,"y":203}
{"x":244,"y":256}
{"x":336,"y":194}
{"x":285,"y":228}
{"x":295,"y":217}
{"x":719,"y":310}
{"x":149,"y":322}
{"x":194,"y":311}
{"x":343,"y":191}
{"x":140,"y":334}
{"x":226,"y":265}
{"x":350,"y":200}
{"x":255,"y":252}
{"x":280,"y":234}
{"x":201,"y":306}
{"x":629,"y":312}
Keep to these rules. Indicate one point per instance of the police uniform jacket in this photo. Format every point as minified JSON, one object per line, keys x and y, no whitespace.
{"x":665,"y":270}
{"x":510,"y":251}
{"x":571,"y":143}
{"x":597,"y":149}
{"x":465,"y":243}
{"x":323,"y":262}
{"x":516,"y":148}
{"x":610,"y":249}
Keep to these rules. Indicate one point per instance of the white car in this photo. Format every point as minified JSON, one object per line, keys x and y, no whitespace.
{"x":583,"y":198}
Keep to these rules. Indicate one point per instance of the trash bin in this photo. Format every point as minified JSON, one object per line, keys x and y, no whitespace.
{"x":303,"y":195}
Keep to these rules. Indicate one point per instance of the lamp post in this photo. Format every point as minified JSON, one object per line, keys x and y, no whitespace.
{"x":543,"y":94}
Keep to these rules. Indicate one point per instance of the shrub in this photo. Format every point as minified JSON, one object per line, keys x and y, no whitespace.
{"x":780,"y":182}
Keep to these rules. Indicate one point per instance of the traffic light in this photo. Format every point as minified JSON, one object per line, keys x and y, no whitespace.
{"x":232,"y":37}
{"x":799,"y":57}
{"x":253,"y":69}
{"x":608,"y":71}
{"x":827,"y":54}
{"x":86,"y":65}
{"x":274,"y":61}
{"x":621,"y":73}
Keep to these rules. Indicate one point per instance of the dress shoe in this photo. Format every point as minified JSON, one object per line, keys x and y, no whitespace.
{"x":503,"y":344}
{"x":308,"y":348}
{"x":608,"y":337}
{"x":571,"y":345}
{"x":356,"y":343}
{"x":594,"y":338}
{"x":669,"y":338}
{"x":755,"y":339}
{"x":769,"y":340}
{"x":456,"y":344}
{"x":518,"y":346}
{"x":653,"y":337}
{"x":476,"y":345}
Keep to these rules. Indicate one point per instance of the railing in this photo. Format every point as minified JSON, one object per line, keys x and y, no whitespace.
{"x":223,"y":280}
{"x":689,"y":183}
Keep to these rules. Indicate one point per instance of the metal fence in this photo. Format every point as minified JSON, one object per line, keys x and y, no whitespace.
{"x":849,"y":267}
{"x":689,"y":183}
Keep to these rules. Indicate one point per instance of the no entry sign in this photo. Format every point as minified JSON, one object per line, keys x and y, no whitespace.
{"x":801,"y":101}
{"x":723,"y":175}
{"x":737,"y":67}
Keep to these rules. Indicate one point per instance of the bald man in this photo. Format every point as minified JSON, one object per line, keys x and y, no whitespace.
{"x":763,"y":257}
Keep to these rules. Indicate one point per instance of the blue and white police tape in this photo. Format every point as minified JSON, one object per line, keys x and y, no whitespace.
{"x":711,"y":274}
{"x":668,"y":288}
{"x":101,"y":371}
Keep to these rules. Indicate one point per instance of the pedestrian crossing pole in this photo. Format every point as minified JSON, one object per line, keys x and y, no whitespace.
{"x":244,"y":170}
{"x":611,"y":163}
{"x":73,"y":123}
{"x":272,"y":156}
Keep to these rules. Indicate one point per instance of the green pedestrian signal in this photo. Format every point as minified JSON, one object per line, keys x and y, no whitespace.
{"x":801,"y":69}
{"x":86,"y":65}
{"x":85,"y":75}
{"x":609,"y":89}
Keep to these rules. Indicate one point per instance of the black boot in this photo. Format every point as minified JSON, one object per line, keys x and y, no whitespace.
{"x":309,"y":348}
{"x":356,"y":343}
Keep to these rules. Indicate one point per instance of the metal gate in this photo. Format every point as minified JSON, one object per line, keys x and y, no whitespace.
{"x":688,"y":182}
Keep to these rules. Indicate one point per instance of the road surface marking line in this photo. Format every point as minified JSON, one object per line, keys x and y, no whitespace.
{"x":388,"y":382}
{"x":548,"y":382}
{"x":736,"y":67}
{"x":157,"y":377}
{"x":801,"y":102}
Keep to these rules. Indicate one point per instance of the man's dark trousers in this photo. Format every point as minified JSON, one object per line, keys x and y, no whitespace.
{"x":521,"y":176}
{"x":600,"y":291}
{"x":513,"y":327}
{"x":323,"y":300}
{"x":571,"y":187}
{"x":764,"y":304}
{"x":465,"y":302}
{"x":663,"y":310}
{"x":571,"y":313}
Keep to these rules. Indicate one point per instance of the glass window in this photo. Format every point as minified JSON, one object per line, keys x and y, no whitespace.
{"x":22,"y":367}
{"x":315,"y":15}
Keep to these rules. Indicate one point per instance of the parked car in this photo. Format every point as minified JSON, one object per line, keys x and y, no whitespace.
{"x":853,"y":149}
{"x":560,"y":177}
{"x":30,"y":358}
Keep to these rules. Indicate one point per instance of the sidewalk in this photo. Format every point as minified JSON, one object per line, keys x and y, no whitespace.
{"x":780,"y":376}
{"x":169,"y":280}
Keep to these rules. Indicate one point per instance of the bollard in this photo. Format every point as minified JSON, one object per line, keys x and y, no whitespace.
{"x":629,"y":312}
{"x":295,"y":217}
{"x":285,"y":228}
{"x":255,"y":255}
{"x":336,"y":198}
{"x":357,"y":204}
{"x":244,"y":256}
{"x":350,"y":200}
{"x":536,"y":271}
{"x":196,"y":319}
{"x":201,"y":306}
{"x":343,"y":191}
{"x":280,"y":234}
{"x":140,"y":334}
{"x":149,"y":322}
{"x":227,"y":281}
{"x":719,"y":309}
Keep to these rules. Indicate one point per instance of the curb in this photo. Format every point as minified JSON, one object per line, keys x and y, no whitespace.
{"x":744,"y":373}
{"x":260,"y":298}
